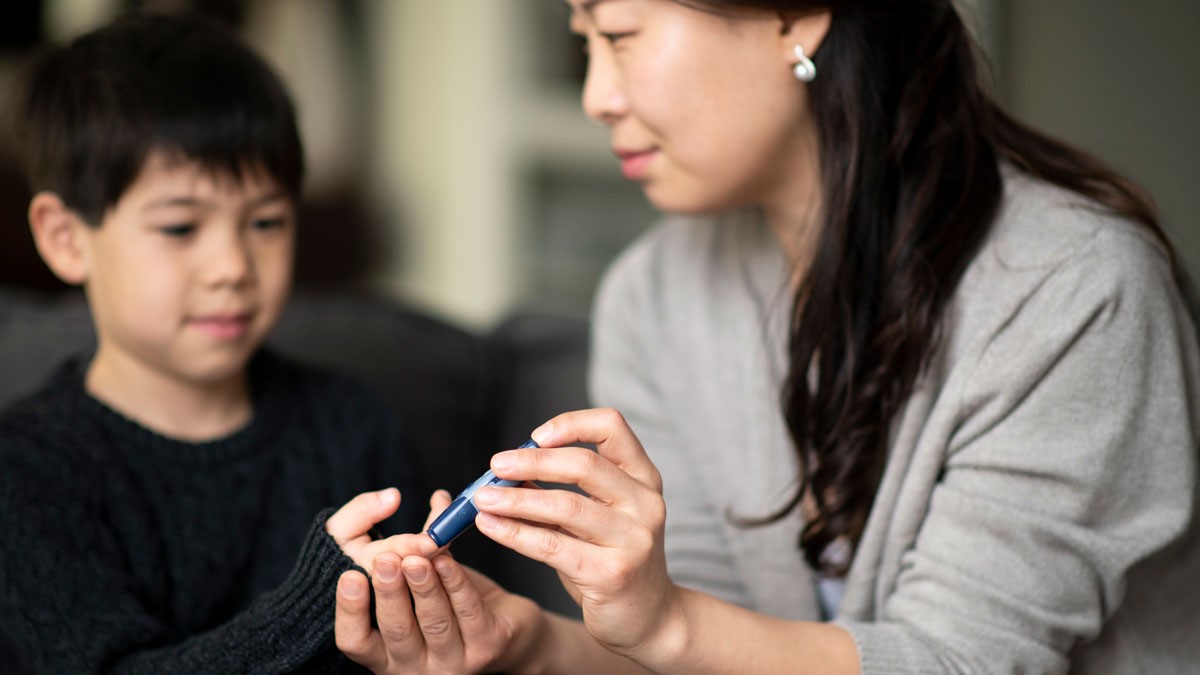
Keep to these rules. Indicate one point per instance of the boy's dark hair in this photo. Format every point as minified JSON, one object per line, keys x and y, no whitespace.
{"x":92,"y":110}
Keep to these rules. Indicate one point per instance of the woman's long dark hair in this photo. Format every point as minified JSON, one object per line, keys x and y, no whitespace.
{"x":910,"y":150}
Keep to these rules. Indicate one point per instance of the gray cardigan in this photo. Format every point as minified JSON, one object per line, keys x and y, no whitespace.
{"x":1037,"y":513}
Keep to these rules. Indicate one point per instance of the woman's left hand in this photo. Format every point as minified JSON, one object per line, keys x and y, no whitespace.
{"x":608,"y":544}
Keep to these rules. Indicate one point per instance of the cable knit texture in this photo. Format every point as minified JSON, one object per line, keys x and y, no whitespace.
{"x":128,"y":552}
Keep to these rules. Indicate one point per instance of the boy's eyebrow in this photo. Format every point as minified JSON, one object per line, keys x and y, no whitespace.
{"x":172,"y":201}
{"x":272,"y":196}
{"x":184,"y":200}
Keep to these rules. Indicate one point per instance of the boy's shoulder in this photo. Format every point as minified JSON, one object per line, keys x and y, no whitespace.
{"x":57,"y":396}
{"x":42,"y":431}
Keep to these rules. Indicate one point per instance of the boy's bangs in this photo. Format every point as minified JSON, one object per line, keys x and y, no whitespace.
{"x":223,"y":118}
{"x":232,"y":136}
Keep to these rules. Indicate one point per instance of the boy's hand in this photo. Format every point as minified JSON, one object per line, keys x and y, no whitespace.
{"x":433,"y":616}
{"x":351,"y":527}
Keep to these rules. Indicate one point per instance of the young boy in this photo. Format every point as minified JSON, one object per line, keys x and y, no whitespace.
{"x":163,"y":500}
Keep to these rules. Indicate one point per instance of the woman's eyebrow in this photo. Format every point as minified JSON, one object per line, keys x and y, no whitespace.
{"x":585,"y":6}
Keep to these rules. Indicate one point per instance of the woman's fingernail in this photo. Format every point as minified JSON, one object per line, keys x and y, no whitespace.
{"x":504,"y":461}
{"x":487,"y":496}
{"x":543,"y":434}
{"x":385,"y":569}
{"x":415,"y":574}
{"x":442,"y":567}
{"x":389,"y":496}
{"x":486,"y":521}
{"x":350,"y":587}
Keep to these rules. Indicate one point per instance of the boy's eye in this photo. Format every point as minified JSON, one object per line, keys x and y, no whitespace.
{"x":178,"y":231}
{"x":268,"y":223}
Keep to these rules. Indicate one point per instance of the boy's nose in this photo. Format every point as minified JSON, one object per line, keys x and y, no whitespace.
{"x":230,"y":263}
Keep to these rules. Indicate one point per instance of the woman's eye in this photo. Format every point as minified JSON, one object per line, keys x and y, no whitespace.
{"x":613,"y":38}
{"x":178,"y":231}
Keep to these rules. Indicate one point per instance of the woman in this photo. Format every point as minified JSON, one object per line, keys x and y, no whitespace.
{"x":916,"y":385}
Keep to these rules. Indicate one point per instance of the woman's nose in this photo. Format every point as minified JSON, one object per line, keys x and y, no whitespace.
{"x":603,"y":97}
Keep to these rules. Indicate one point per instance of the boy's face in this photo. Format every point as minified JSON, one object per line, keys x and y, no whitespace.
{"x":188,"y":272}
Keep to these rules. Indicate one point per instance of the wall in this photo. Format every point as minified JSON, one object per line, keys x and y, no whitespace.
{"x":459,"y":124}
{"x":1123,"y":80}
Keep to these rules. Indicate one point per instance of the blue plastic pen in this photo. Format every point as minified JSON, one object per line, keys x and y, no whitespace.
{"x":461,"y":513}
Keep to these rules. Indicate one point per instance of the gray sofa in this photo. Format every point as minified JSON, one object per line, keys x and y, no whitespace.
{"x":461,"y":395}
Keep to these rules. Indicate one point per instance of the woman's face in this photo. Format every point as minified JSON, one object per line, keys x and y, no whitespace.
{"x":703,"y":108}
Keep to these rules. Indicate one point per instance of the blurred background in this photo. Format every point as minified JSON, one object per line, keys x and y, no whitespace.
{"x":451,"y":167}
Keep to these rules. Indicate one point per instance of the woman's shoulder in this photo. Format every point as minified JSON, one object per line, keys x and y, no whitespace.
{"x":1056,"y":266}
{"x":1044,"y":226}
{"x":1049,"y":240}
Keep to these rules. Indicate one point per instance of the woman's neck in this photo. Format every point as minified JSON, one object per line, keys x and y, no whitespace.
{"x":794,"y":206}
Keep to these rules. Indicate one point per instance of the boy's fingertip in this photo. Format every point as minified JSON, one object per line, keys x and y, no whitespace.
{"x":441,"y":565}
{"x":427,"y":546}
{"x":350,"y":585}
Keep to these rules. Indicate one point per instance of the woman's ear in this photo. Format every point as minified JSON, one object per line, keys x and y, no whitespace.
{"x":807,"y":30}
{"x":59,"y":237}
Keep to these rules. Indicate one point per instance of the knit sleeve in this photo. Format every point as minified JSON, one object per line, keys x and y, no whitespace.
{"x":1074,"y":461}
{"x":71,"y":605}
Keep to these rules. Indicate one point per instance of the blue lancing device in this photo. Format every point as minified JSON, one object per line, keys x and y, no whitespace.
{"x":461,"y":513}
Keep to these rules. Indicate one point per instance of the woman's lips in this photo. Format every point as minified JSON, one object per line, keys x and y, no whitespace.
{"x":635,"y":162}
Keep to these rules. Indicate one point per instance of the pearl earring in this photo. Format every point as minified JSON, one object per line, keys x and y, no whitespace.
{"x":804,"y":70}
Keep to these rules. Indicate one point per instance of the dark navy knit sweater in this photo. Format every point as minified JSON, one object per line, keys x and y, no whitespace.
{"x":125,"y":551}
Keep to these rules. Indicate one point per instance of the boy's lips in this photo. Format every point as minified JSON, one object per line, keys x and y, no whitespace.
{"x":223,"y":326}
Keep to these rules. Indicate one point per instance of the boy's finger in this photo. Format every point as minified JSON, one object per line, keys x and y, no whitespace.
{"x":360,"y":514}
{"x":437,"y":503}
{"x":400,"y":635}
{"x":439,"y":625}
{"x":405,"y":545}
{"x":352,"y":622}
{"x":474,"y":618}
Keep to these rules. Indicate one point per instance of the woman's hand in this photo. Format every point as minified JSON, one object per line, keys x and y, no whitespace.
{"x":433,"y":615}
{"x":607,"y":544}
